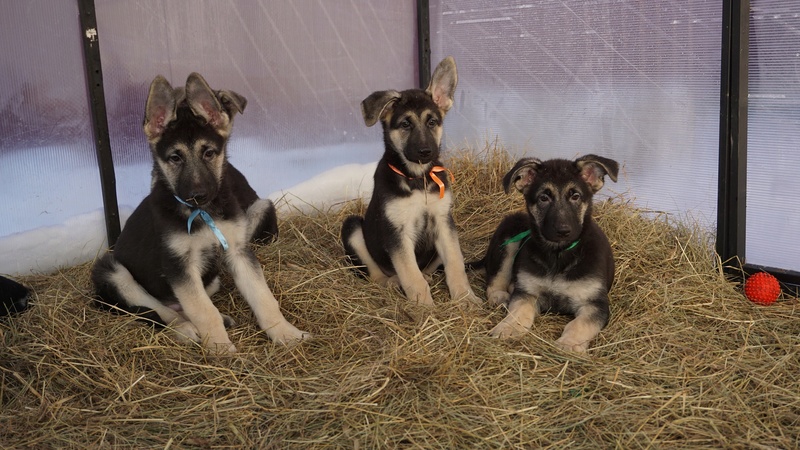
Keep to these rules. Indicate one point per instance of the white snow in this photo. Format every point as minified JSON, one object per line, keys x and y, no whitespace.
{"x":66,"y":228}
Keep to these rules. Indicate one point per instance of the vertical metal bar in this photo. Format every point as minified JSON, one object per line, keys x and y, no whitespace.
{"x":732,"y":193}
{"x":97,"y":106}
{"x":424,"y":42}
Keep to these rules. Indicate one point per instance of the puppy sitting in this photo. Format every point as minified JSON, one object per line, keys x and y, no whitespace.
{"x":553,"y":257}
{"x":408,"y":230}
{"x":200,"y":211}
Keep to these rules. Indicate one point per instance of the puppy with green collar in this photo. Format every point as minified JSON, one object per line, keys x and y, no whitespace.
{"x":553,"y":257}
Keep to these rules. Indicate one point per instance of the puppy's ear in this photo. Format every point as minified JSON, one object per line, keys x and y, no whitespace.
{"x":205,"y":104}
{"x":443,"y":84}
{"x":159,"y":110}
{"x":232,"y":102}
{"x":521,"y":176}
{"x":594,"y":168}
{"x":378,"y":106}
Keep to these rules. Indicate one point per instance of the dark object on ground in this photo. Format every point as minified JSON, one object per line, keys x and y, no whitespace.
{"x":13,"y":297}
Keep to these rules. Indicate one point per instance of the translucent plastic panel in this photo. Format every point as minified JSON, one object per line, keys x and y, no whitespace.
{"x":773,"y":135}
{"x":304,"y":67}
{"x":633,"y":80}
{"x":48,"y":170}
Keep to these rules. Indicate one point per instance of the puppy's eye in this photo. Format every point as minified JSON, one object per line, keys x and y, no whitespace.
{"x":175,"y":158}
{"x":432,"y":122}
{"x":406,"y":124}
{"x":209,"y":154}
{"x":544,"y":198}
{"x":576,"y":196}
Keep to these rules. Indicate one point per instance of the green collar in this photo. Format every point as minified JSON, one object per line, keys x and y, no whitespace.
{"x":517,"y":238}
{"x":527,"y":234}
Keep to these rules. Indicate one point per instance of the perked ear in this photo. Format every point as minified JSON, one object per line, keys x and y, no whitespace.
{"x":204,"y":103}
{"x":159,"y":110}
{"x":594,"y":168}
{"x":232,"y":102}
{"x":378,"y":106}
{"x":443,"y":84}
{"x":521,"y":176}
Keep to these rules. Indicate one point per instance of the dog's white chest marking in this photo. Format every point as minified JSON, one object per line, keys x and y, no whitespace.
{"x":191,"y":246}
{"x":578,"y":291}
{"x":419,"y":213}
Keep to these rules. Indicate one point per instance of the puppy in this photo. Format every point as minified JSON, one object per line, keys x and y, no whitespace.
{"x":13,"y":297}
{"x":200,"y":211}
{"x":408,"y":232}
{"x":553,"y":257}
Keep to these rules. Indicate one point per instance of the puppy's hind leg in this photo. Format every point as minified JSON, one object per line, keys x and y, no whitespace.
{"x":432,"y":267}
{"x":355,"y":248}
{"x":500,"y":274}
{"x":501,"y":254}
{"x":212,"y":288}
{"x":262,"y":222}
{"x":116,"y":287}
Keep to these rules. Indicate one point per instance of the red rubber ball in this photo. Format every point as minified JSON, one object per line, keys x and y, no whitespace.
{"x":762,"y":288}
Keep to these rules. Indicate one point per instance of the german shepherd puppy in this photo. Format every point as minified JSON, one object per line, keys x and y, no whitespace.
{"x":408,"y":231}
{"x":165,"y":265}
{"x":553,"y":257}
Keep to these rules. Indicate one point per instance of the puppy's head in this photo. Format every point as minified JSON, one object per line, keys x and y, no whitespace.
{"x":188,"y":129}
{"x":558,"y":193}
{"x":412,"y":120}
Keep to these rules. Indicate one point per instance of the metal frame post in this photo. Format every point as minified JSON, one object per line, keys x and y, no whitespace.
{"x":97,"y":109}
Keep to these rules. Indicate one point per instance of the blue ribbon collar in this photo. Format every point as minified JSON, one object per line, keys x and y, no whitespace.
{"x":207,"y":219}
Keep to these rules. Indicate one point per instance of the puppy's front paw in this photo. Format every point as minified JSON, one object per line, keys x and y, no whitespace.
{"x":390,"y":282}
{"x":569,"y":344}
{"x":468,"y":297}
{"x":508,"y":328}
{"x":184,"y":331}
{"x":221,"y":348}
{"x":422,"y":297}
{"x":287,"y":334}
{"x":497,"y":297}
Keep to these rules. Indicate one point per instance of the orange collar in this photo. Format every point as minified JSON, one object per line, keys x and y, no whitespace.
{"x":432,"y":173}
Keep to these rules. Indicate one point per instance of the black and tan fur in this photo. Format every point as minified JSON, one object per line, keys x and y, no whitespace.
{"x":408,"y":230}
{"x":566,"y":265}
{"x":157,"y":268}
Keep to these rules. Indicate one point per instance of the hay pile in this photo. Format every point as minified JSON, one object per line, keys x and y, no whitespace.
{"x":686,"y":361}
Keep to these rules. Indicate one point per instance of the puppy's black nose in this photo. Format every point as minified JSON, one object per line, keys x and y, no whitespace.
{"x":563,"y":230}
{"x":425,"y":152}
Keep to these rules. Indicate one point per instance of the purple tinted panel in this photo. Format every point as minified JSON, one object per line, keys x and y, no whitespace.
{"x":48,"y":167}
{"x":635,"y":81}
{"x":773,"y":141}
{"x":304,"y":67}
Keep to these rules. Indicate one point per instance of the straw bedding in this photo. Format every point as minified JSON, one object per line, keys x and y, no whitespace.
{"x":686,"y":361}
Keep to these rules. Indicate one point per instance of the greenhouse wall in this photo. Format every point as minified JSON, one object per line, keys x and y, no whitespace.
{"x":635,"y":81}
{"x":638,"y":82}
{"x":304,"y":67}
